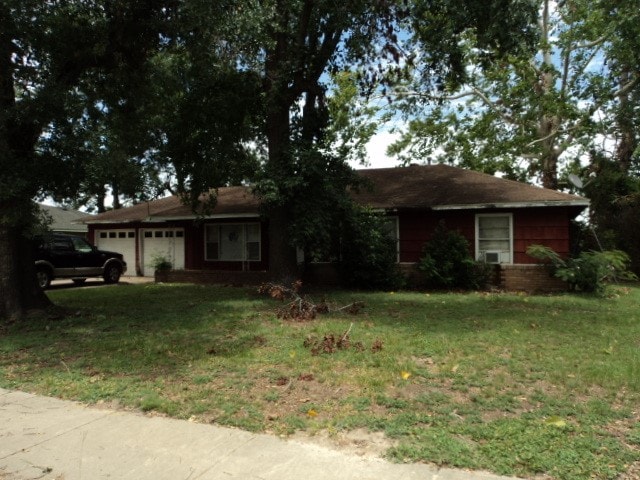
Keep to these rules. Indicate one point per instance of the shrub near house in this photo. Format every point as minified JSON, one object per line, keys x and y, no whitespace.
{"x":447,"y":262}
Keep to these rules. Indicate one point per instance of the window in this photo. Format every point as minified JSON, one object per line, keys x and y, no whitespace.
{"x":122,"y":234}
{"x":157,"y":234}
{"x":103,"y":234}
{"x":233,"y":242}
{"x":494,"y":238}
{"x":391,"y":226}
{"x":62,"y":245}
{"x":131,"y":235}
{"x":148,"y":234}
{"x":81,"y":245}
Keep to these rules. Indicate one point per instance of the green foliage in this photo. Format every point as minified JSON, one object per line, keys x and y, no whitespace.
{"x":368,"y":252}
{"x":590,"y":271}
{"x":316,"y":196}
{"x":160,"y":263}
{"x":447,"y":263}
{"x":529,"y":114}
{"x":614,"y":197}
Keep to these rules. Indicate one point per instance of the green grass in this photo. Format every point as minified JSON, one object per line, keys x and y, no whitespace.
{"x":516,"y":384}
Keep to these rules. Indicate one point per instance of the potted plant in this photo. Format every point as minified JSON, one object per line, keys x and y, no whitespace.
{"x":161,"y":266}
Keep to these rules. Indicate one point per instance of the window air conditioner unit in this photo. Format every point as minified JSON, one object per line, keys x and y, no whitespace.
{"x":492,"y":257}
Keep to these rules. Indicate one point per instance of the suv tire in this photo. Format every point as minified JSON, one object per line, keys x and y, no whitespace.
{"x":111,"y":274}
{"x":44,"y":277}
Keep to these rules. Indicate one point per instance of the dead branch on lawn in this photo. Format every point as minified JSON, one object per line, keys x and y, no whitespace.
{"x":299,"y":307}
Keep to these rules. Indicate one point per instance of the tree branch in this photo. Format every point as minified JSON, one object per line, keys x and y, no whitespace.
{"x":473,"y":92}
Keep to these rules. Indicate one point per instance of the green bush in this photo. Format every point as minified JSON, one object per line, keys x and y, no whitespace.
{"x":446,"y":262}
{"x":368,"y":252}
{"x":588,"y":272}
{"x":160,"y":263}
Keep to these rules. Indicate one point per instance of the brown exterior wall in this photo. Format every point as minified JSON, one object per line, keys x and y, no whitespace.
{"x":417,"y":227}
{"x":544,"y":226}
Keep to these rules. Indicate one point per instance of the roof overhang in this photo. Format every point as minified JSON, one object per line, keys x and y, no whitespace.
{"x":158,"y":219}
{"x":216,"y":216}
{"x":483,"y":206}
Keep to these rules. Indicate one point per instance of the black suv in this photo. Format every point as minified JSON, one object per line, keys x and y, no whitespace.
{"x":66,"y":256}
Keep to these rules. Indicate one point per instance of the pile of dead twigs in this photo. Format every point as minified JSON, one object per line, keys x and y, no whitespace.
{"x":299,"y":307}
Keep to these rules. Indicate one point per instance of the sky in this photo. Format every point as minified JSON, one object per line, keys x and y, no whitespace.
{"x":376,"y":152}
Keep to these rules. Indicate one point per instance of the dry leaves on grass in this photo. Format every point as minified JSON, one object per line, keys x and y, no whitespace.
{"x":331,"y":343}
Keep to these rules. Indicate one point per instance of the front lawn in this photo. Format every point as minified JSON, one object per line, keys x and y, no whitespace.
{"x":516,"y":384}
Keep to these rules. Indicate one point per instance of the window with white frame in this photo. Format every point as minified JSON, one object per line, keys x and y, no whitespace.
{"x":231,"y":242}
{"x":494,"y":238}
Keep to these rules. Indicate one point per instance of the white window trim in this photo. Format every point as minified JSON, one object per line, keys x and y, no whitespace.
{"x":244,"y":250}
{"x":477,"y":235}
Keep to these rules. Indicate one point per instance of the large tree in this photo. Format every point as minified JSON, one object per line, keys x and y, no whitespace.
{"x":530,"y":113}
{"x":48,"y":50}
{"x":272,"y":61}
{"x":307,"y":40}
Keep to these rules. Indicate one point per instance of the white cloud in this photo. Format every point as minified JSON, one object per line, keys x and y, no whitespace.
{"x":377,"y":152}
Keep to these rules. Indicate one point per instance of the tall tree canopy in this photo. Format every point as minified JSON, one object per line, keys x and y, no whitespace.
{"x":89,"y":90}
{"x":534,"y":111}
{"x":50,"y":53}
{"x":307,"y":40}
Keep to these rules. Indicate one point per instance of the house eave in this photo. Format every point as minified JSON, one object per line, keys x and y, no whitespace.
{"x":160,"y":219}
{"x":217,"y":216}
{"x":483,"y":206}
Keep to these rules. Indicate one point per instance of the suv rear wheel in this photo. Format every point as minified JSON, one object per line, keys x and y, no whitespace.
{"x":44,"y":277}
{"x":111,"y":273}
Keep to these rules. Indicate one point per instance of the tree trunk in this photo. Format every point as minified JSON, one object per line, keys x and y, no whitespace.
{"x":550,"y":170}
{"x":19,"y":291}
{"x":627,"y":142}
{"x":115,"y":191}
{"x":282,"y":255}
{"x":548,"y":123}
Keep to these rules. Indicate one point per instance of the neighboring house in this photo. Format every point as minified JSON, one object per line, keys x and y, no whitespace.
{"x":500,"y":218}
{"x":65,"y":220}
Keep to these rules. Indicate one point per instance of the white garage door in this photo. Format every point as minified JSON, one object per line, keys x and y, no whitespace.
{"x":121,"y":241}
{"x":162,"y":242}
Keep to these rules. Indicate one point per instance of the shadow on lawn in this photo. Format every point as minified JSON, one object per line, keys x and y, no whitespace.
{"x":156,"y":331}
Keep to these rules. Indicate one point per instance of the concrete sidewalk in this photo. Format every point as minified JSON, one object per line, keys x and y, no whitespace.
{"x":46,"y":438}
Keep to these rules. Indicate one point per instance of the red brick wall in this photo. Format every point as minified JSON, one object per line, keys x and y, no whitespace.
{"x":529,"y":278}
{"x":213,"y":277}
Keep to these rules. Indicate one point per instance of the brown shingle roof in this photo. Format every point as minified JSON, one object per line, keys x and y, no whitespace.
{"x":414,"y":187}
{"x":445,"y":187}
{"x":230,"y":201}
